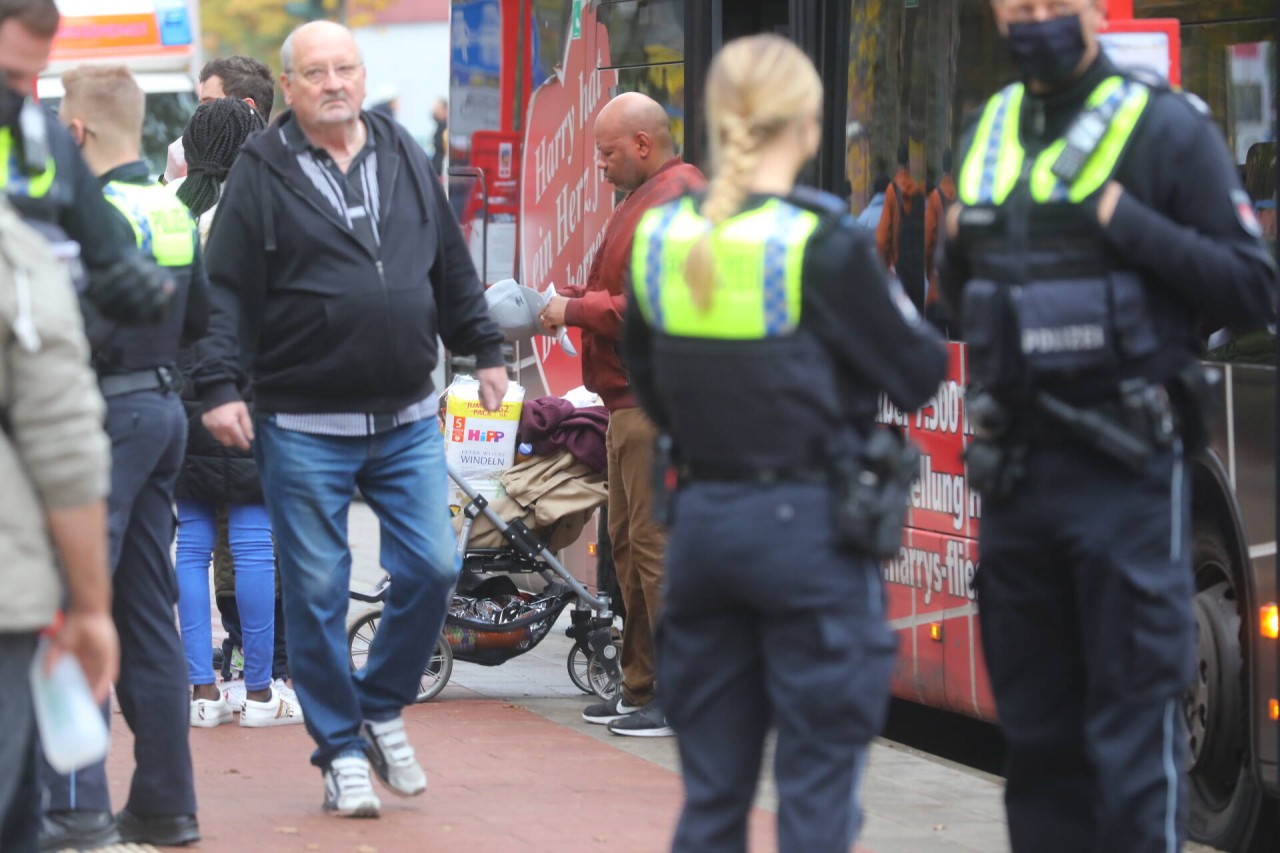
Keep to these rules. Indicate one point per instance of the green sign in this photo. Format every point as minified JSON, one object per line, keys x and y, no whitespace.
{"x":911,"y":4}
{"x":575,"y":29}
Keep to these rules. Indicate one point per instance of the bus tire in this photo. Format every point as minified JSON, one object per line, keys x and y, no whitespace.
{"x":1225,"y":799}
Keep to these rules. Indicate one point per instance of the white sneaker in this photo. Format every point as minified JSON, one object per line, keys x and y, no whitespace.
{"x":234,"y":695}
{"x":392,"y":759}
{"x":285,"y":690}
{"x":348,"y":790}
{"x":277,"y":711}
{"x":207,"y":713}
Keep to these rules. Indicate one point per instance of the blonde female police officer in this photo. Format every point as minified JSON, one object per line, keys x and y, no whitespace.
{"x":762,"y":329}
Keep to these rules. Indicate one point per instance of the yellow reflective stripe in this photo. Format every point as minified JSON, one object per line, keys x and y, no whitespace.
{"x":36,"y":186}
{"x":1102,"y":165}
{"x":1009,"y":163}
{"x":972,"y":171}
{"x":162,"y":225}
{"x":759,"y":262}
{"x":994,"y":162}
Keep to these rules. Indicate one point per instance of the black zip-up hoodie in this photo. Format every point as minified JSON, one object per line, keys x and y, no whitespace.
{"x":315,"y":320}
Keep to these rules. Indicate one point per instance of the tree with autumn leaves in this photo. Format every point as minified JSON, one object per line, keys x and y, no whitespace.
{"x":258,"y":27}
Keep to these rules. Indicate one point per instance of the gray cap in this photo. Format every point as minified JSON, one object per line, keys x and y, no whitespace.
{"x":515,"y":309}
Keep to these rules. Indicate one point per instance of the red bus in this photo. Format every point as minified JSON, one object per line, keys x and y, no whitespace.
{"x":528,"y":77}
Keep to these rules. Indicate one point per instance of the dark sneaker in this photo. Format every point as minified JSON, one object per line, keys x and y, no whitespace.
{"x":603,"y":713}
{"x":160,"y":830}
{"x":78,"y":830}
{"x":649,"y":721}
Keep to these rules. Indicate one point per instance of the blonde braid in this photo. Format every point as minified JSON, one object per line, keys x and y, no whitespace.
{"x":725,"y":193}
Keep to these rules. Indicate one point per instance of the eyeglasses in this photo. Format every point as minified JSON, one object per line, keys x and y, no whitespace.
{"x":317,"y":74}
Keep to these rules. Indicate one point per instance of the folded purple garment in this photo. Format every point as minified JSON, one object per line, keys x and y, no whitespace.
{"x":553,"y":423}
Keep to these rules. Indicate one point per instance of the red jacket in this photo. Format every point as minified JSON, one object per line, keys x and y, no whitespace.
{"x":597,"y":307}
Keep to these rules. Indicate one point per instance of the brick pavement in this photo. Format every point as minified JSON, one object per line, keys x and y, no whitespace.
{"x":502,"y":778}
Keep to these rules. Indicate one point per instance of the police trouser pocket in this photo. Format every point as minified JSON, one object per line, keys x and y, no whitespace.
{"x":1159,"y":629}
{"x":839,"y":669}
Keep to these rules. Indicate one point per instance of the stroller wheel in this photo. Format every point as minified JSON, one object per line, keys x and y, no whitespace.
{"x":598,"y":677}
{"x":434,"y":676}
{"x":579,"y":669}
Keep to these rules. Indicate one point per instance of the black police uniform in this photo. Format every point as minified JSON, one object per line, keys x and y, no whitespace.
{"x":147,"y":425}
{"x":49,"y":184}
{"x":1082,"y":337}
{"x":73,"y":200}
{"x":767,"y":620}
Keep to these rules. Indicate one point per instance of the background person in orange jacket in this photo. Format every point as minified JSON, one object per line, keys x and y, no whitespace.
{"x":900,"y":237}
{"x":636,"y":153}
{"x":940,"y":198}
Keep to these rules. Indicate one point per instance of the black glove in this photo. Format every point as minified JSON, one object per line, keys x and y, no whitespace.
{"x":134,"y":290}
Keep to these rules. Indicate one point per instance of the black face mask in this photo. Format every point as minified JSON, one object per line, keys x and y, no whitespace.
{"x":1047,"y":51}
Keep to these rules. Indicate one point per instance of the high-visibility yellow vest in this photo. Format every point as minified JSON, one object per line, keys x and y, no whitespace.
{"x":161,"y":223}
{"x":13,"y":180}
{"x":996,"y":159}
{"x":758,"y":259}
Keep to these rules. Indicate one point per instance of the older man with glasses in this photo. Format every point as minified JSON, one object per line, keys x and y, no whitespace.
{"x":335,"y":262}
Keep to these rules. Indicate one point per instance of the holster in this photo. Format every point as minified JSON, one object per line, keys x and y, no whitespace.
{"x":871,"y":493}
{"x":995,"y":460}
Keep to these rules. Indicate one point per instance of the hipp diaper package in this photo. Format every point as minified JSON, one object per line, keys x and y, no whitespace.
{"x":479,"y":445}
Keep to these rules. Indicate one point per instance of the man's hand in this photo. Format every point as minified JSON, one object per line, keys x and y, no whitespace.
{"x":1107,"y":202}
{"x":91,"y":637}
{"x":552,"y":315}
{"x":493,"y":387}
{"x":230,"y":423}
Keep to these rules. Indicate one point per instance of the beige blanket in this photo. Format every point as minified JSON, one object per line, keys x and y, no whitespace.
{"x":553,"y":495}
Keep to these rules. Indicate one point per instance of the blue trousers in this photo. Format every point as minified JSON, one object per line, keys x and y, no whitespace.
{"x":767,"y":624}
{"x":148,"y":432}
{"x":1085,"y":590}
{"x":308,"y":481}
{"x":249,"y":533}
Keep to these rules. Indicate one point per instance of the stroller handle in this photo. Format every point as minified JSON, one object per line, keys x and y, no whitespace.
{"x":521,"y":538}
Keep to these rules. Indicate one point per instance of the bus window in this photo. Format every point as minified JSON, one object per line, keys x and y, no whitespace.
{"x":646,"y":46}
{"x":644,"y":32}
{"x":914,"y":72}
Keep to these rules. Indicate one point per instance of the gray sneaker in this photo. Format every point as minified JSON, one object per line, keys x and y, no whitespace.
{"x":649,"y":721}
{"x":348,"y":791}
{"x":392,"y":759}
{"x":603,"y":713}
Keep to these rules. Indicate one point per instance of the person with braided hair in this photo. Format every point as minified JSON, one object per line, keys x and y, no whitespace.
{"x":763,"y":329}
{"x":214,"y":475}
{"x":214,"y":136}
{"x":635,"y":152}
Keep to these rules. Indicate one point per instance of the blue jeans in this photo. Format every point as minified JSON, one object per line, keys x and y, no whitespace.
{"x":249,"y":532}
{"x":308,"y":481}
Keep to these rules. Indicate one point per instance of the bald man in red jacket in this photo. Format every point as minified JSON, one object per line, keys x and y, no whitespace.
{"x":635,"y":151}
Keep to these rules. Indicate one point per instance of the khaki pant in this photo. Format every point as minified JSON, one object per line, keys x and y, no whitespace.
{"x":639,"y":544}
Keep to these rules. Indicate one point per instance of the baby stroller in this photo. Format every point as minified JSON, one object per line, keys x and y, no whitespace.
{"x":490,"y":620}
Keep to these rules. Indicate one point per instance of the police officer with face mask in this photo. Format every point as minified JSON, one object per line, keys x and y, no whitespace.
{"x":1099,"y":227}
{"x":48,"y":183}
